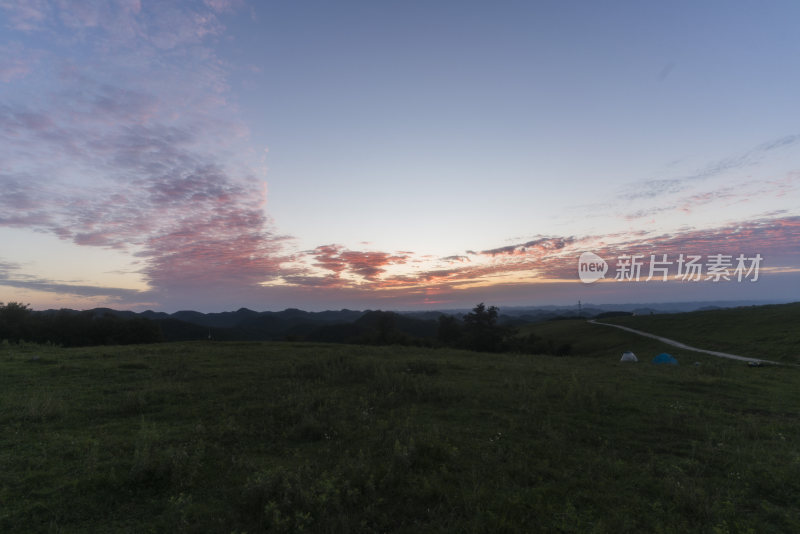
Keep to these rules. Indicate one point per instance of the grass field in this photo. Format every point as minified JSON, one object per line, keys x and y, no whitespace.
{"x":767,"y":332}
{"x":280,"y":437}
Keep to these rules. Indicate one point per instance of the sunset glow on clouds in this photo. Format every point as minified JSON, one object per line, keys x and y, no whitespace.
{"x":174,"y":155}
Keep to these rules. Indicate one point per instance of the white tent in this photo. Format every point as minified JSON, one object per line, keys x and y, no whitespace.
{"x":628,"y":357}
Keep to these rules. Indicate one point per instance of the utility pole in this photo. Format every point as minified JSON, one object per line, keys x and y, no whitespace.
{"x":580,"y":312}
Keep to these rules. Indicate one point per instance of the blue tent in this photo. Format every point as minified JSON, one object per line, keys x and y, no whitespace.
{"x":665,"y":358}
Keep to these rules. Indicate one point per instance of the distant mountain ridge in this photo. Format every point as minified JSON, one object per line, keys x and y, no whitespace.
{"x":242,"y":324}
{"x":360,"y":326}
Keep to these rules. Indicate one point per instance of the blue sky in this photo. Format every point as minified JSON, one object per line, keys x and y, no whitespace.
{"x":219,"y":154}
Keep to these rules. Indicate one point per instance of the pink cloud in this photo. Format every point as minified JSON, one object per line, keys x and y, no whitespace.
{"x":178,"y":209}
{"x":543,"y":260}
{"x":368,"y":265}
{"x":158,"y":185}
{"x":688,"y":204}
{"x":453,"y":259}
{"x":537,"y":246}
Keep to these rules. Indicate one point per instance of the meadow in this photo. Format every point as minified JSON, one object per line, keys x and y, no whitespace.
{"x":767,"y":332}
{"x":300,"y":437}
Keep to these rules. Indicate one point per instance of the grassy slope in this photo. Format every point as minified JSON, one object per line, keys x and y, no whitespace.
{"x":267,"y":436}
{"x":769,"y":332}
{"x":591,"y":340}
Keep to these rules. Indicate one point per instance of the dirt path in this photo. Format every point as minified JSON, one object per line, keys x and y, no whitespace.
{"x":687,"y":347}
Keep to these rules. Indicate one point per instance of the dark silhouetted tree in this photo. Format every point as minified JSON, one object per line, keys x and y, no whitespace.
{"x":15,"y":321}
{"x":449,"y":330}
{"x":482,"y":332}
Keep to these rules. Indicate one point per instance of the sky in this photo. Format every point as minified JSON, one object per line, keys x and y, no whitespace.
{"x":219,"y":154}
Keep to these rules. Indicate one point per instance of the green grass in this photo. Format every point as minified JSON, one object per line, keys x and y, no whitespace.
{"x":766,"y":332}
{"x":592,"y":340}
{"x":278,"y":437}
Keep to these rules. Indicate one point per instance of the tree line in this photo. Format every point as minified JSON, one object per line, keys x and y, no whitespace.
{"x":479,"y":330}
{"x":72,"y":329}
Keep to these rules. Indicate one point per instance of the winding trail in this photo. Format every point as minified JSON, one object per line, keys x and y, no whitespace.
{"x":687,"y":347}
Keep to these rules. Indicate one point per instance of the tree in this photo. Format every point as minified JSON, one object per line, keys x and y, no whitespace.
{"x":482,"y":332}
{"x":480,"y":317}
{"x":14,"y":319}
{"x":449,"y":330}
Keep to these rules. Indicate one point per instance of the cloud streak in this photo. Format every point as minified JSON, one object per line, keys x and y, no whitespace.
{"x":536,"y":246}
{"x":11,"y":275}
{"x":656,"y":188}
